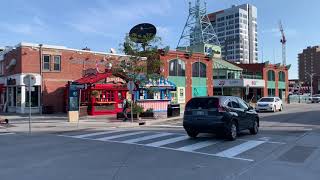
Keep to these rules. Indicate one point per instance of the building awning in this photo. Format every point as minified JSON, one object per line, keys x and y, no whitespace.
{"x":93,"y":78}
{"x":160,"y":84}
{"x":222,"y":64}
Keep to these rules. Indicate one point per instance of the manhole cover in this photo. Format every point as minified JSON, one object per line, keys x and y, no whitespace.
{"x":297,"y":154}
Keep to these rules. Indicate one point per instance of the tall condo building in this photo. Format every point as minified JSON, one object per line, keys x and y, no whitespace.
{"x":236,"y":29}
{"x":308,"y":64}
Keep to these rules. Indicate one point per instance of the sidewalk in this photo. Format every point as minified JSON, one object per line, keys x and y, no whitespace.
{"x":54,"y":123}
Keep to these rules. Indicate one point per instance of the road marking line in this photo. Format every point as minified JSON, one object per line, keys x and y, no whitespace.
{"x":167,"y":148}
{"x":195,"y":152}
{"x":119,"y":136}
{"x":232,"y":152}
{"x":266,"y":141}
{"x":144,"y":138}
{"x":197,"y":146}
{"x":167,"y":141}
{"x":3,"y":134}
{"x":94,"y":134}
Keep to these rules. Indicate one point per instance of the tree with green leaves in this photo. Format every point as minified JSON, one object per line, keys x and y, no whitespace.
{"x":144,"y":62}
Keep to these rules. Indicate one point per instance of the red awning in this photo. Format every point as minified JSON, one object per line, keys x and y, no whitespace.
{"x":93,"y":78}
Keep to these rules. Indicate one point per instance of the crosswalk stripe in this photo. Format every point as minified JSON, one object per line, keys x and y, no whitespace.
{"x":94,"y":134}
{"x":197,"y":146}
{"x":232,"y":152}
{"x":167,"y":141}
{"x":144,"y":138}
{"x":3,"y":134}
{"x":120,"y":135}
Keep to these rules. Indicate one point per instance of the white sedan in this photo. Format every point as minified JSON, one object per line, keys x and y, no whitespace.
{"x":269,"y":104}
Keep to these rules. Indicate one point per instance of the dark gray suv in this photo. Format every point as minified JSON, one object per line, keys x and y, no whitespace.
{"x":219,"y":114}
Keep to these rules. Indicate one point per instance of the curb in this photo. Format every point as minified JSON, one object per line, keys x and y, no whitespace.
{"x":148,"y":123}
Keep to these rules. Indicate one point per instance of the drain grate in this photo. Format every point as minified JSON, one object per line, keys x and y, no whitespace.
{"x":297,"y":154}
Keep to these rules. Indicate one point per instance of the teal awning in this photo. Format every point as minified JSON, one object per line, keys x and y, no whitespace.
{"x":222,"y":64}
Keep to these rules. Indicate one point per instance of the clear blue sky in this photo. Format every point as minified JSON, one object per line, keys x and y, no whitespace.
{"x":102,"y":24}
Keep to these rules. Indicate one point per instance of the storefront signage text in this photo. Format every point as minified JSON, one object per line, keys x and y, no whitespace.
{"x":115,"y":80}
{"x":239,"y":83}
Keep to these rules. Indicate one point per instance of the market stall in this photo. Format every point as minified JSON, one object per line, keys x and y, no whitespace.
{"x":103,"y":93}
{"x":155,"y":95}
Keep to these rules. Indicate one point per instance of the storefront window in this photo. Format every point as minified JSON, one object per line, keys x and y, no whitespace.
{"x":231,"y":75}
{"x":105,"y":96}
{"x":18,"y":96}
{"x":199,"y":69}
{"x":10,"y":93}
{"x":271,"y":75}
{"x":258,"y":75}
{"x":34,"y":96}
{"x":14,"y":96}
{"x":282,"y":76}
{"x":271,"y":92}
{"x":177,"y":68}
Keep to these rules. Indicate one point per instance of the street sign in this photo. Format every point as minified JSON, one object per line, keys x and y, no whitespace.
{"x":29,"y":80}
{"x":131,"y":86}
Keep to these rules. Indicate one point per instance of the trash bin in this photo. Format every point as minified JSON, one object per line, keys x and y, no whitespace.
{"x":173,"y":110}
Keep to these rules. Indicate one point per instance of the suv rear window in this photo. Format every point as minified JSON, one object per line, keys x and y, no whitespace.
{"x":203,"y":103}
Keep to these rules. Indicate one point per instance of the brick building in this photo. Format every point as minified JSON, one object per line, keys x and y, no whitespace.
{"x":191,"y":73}
{"x":52,"y":66}
{"x":275,"y":77}
{"x":199,"y":75}
{"x":309,"y":63}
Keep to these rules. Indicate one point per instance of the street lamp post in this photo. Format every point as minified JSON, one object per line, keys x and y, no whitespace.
{"x":311,"y":79}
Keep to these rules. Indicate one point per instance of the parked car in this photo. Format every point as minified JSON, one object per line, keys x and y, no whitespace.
{"x":269,"y":104}
{"x":315,"y":98}
{"x":225,"y":115}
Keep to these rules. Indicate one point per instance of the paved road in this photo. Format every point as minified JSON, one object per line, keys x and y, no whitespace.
{"x":287,"y":147}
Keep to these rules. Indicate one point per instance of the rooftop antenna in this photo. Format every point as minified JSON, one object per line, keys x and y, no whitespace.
{"x":198,"y":28}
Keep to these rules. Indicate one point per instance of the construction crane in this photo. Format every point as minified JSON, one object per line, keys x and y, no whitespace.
{"x":283,"y":42}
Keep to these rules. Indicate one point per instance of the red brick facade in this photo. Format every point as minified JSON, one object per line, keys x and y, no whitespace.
{"x":189,"y":60}
{"x":263,"y":68}
{"x":73,"y":63}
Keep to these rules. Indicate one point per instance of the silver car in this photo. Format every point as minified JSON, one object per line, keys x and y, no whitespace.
{"x":269,"y":104}
{"x":315,"y":98}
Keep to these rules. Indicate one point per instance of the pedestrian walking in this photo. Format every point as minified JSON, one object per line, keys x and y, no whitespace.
{"x":125,"y":106}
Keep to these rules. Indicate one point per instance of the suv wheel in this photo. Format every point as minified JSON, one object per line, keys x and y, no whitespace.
{"x":232,"y":131}
{"x":281,"y":108}
{"x":192,"y":134}
{"x":255,"y":129}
